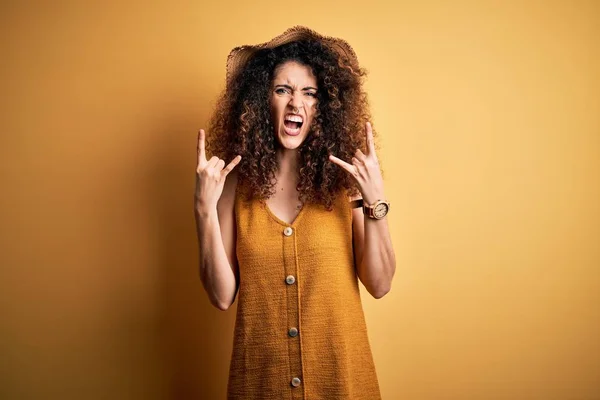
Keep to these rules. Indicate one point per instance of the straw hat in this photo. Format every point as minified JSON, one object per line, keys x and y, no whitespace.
{"x":239,"y":56}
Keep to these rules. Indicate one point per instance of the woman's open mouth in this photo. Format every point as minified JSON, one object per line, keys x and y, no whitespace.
{"x":292,"y":124}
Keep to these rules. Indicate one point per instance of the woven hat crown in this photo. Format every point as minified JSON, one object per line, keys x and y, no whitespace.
{"x":239,"y":56}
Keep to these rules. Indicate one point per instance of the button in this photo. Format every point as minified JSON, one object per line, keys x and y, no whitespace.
{"x":293,"y":332}
{"x":295,"y":382}
{"x":290,"y":279}
{"x":288,"y":231}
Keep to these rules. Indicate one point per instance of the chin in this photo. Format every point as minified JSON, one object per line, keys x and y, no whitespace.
{"x":291,"y":142}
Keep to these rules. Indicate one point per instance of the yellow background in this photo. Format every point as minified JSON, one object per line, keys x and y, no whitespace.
{"x":489,"y":123}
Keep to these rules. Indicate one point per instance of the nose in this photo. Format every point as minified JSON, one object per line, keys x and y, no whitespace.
{"x":296,"y":101}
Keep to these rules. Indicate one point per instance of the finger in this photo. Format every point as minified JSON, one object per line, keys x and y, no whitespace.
{"x":350,"y":168}
{"x":212,"y":162}
{"x":219,"y":165}
{"x":370,"y":141}
{"x":200,"y":146}
{"x":231,"y":165}
{"x":360,"y":155}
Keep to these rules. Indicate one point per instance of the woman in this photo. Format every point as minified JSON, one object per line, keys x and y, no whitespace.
{"x":283,"y":221}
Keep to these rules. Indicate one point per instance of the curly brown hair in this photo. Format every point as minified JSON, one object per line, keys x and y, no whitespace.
{"x":241,"y":123}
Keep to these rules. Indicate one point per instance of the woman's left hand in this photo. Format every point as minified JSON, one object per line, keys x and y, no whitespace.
{"x":365,"y":170}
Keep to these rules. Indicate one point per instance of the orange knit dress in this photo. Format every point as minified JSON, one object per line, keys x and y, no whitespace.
{"x":300,"y":331}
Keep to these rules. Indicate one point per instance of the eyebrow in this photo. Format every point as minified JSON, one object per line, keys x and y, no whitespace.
{"x":289,"y":87}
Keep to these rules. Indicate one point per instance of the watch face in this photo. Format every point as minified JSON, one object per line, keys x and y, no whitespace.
{"x":380,"y":210}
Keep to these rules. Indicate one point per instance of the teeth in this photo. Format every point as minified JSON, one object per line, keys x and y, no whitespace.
{"x":293,"y":118}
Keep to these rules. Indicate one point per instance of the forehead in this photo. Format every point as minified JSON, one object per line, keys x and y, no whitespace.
{"x":294,"y":73}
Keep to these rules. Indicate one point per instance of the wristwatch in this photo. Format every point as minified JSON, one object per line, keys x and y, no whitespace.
{"x":377,"y":210}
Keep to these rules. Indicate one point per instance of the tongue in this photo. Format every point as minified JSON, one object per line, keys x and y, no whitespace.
{"x":292,"y":124}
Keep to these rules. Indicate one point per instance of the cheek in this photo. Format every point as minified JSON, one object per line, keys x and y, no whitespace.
{"x":276,"y":107}
{"x":313,"y":111}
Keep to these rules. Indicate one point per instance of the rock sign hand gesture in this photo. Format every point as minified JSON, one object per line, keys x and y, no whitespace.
{"x":365,"y":170}
{"x":210,"y":176}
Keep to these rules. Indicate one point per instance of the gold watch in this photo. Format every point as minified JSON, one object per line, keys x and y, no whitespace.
{"x":377,"y":210}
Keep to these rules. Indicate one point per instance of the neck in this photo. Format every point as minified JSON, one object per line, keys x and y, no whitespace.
{"x":288,"y":165}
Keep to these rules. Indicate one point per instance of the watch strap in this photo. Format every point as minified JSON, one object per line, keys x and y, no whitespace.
{"x":356,"y":203}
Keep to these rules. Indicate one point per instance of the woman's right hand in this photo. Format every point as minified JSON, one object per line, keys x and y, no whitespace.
{"x":210,"y":177}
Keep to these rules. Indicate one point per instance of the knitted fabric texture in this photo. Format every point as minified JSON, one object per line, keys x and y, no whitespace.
{"x":300,"y":331}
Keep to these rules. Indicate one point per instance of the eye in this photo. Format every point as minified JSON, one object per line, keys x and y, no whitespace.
{"x":280,"y":91}
{"x":311,"y":94}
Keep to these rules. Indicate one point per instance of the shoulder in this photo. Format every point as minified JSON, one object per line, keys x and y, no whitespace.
{"x":227,"y":200}
{"x":231,"y":181}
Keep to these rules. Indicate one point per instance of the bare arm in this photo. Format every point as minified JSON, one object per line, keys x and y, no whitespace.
{"x":373,"y":252}
{"x":215,"y":224}
{"x":216,"y":242}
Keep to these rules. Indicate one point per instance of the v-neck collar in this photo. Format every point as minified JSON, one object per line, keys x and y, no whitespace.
{"x":279,"y":220}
